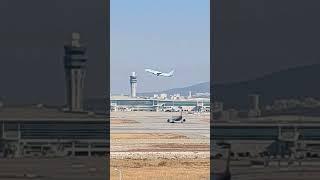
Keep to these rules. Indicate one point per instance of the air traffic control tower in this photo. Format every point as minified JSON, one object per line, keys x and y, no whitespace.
{"x":133,"y":84}
{"x":75,"y":71}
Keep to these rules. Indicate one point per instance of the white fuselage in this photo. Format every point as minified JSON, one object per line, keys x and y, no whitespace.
{"x":158,"y":73}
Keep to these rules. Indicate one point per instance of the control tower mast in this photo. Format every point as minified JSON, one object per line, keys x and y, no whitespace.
{"x":75,"y":72}
{"x":133,"y":84}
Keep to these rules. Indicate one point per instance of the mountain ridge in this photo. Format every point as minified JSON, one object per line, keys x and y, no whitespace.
{"x":183,"y":91}
{"x":295,"y":82}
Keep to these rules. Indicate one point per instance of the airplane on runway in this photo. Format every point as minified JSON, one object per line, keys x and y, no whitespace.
{"x":175,"y":119}
{"x":158,"y":73}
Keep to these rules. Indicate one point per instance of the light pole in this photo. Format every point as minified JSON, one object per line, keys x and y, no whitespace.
{"x":120,"y":173}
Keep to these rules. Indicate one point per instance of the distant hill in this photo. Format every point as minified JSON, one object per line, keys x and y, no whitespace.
{"x":197,"y":88}
{"x":296,"y":83}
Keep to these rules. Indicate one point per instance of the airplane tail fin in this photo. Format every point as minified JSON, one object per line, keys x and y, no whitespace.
{"x":171,"y":72}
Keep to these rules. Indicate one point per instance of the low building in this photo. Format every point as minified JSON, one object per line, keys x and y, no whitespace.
{"x":163,"y":96}
{"x":126,"y":103}
{"x":40,"y":131}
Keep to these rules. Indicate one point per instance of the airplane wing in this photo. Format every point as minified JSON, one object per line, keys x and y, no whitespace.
{"x":153,"y":72}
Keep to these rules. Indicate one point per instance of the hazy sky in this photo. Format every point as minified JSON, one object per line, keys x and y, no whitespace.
{"x":159,"y":34}
{"x":32,"y":36}
{"x":257,"y":37}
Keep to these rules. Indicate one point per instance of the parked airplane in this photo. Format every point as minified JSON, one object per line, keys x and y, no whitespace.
{"x":158,"y":73}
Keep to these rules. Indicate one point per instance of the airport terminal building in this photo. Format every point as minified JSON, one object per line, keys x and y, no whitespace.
{"x":40,"y":131}
{"x":126,"y":103}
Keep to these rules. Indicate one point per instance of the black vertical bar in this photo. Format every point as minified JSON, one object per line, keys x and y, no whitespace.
{"x":107,"y":90}
{"x":212,"y":25}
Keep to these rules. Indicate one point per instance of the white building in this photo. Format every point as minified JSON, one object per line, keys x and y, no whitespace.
{"x":163,"y":96}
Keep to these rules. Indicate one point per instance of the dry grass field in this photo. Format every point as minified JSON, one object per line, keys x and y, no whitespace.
{"x":181,"y":169}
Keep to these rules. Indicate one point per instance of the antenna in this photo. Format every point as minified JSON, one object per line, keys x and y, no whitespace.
{"x":75,"y":39}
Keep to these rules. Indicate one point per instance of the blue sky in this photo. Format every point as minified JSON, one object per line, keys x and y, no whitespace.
{"x":159,"y":34}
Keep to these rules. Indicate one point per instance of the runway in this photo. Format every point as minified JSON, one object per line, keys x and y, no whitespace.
{"x":156,"y":122}
{"x":195,"y":132}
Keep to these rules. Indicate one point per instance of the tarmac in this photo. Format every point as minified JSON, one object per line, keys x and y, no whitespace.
{"x":195,"y":132}
{"x":156,"y":122}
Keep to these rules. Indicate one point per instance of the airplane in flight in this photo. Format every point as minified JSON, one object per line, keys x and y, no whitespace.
{"x":158,"y":73}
